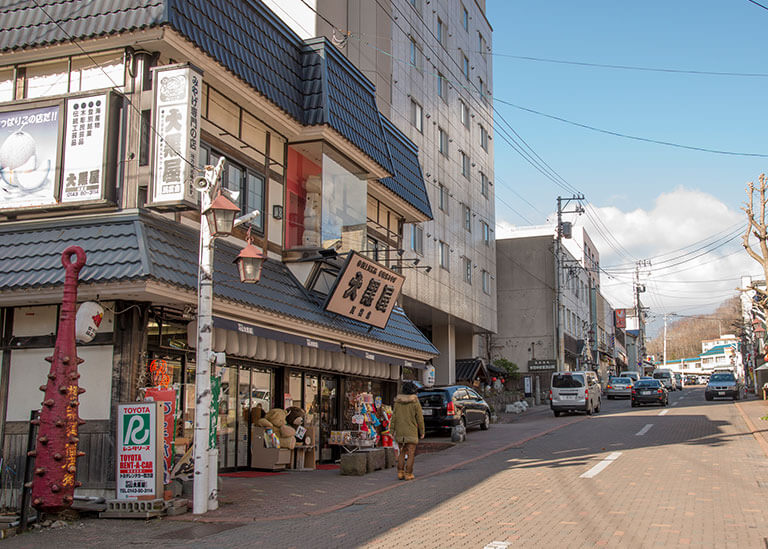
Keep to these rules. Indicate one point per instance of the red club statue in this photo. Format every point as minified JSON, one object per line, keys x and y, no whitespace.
{"x":53,"y":485}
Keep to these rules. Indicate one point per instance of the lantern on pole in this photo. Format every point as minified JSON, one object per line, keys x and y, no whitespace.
{"x":221,"y":216}
{"x":249,"y":262}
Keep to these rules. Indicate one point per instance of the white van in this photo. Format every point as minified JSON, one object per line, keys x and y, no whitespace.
{"x":667,"y":378}
{"x":573,"y":391}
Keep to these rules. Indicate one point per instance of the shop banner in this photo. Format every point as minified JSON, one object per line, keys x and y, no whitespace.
{"x":167,"y":399}
{"x":214,"y":417}
{"x":620,"y":318}
{"x":84,"y":151}
{"x":365,"y":291}
{"x":178,"y":91}
{"x":28,"y":156}
{"x":138,"y":442}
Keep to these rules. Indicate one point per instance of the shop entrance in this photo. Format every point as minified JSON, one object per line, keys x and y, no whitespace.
{"x":329,"y":416}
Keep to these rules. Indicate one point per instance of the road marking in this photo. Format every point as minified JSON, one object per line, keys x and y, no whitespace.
{"x":602,"y":465}
{"x":644,"y":430}
{"x":663,"y":412}
{"x":497,"y":545}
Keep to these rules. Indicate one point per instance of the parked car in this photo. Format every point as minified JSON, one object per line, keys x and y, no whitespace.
{"x":619,"y":387}
{"x":703,"y":380}
{"x":679,"y":383}
{"x":649,"y":391}
{"x":666,"y":377}
{"x":447,"y":406}
{"x":723,"y":384}
{"x":572,"y":391}
{"x":691,"y":380}
{"x":634,"y":376}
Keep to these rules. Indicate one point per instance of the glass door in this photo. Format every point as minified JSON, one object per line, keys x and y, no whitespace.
{"x":244,"y":417}
{"x":228,"y":408}
{"x":329,"y":417}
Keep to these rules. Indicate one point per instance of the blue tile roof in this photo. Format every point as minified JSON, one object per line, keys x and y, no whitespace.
{"x":129,"y":247}
{"x":310,"y":80}
{"x":719,"y":349}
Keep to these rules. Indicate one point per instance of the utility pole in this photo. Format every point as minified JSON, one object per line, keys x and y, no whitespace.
{"x":638,"y":289}
{"x":665,"y":340}
{"x":559,"y":339}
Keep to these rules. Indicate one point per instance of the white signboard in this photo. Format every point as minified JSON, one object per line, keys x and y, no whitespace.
{"x":178,"y":91}
{"x":138,"y":443}
{"x":29,"y":141}
{"x":84,"y":136}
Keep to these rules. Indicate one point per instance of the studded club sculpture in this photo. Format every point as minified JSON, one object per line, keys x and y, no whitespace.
{"x":53,"y":484}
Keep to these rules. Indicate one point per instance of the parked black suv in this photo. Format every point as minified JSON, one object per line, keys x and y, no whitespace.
{"x":445,"y":407}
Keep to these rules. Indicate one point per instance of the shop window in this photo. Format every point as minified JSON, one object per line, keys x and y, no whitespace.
{"x":326,"y":203}
{"x":6,"y":85}
{"x":45,"y":79}
{"x":97,"y":72}
{"x":445,"y":259}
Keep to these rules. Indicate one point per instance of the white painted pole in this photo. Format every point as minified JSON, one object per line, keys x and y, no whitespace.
{"x":213,"y":479}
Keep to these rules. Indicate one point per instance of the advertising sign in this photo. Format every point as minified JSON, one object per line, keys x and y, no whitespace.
{"x":28,"y":152}
{"x":429,"y":376}
{"x":621,"y":318}
{"x":84,"y":140}
{"x":178,"y":91}
{"x":365,"y":291}
{"x":138,"y":431}
{"x":167,"y":399}
{"x":538,"y":365}
{"x":528,"y":386}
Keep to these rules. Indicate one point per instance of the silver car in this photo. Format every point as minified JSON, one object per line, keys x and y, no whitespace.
{"x":723,"y":384}
{"x":619,"y":387}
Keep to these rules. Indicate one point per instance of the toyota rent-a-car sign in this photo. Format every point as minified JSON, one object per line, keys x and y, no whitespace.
{"x":138,"y":446}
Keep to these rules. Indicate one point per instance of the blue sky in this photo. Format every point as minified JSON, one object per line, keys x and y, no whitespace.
{"x":625,"y":176}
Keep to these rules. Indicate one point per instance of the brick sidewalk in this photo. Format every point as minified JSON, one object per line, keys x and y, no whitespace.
{"x":752,"y":411}
{"x":310,"y":493}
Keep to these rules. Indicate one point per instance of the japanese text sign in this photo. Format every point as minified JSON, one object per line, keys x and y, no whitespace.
{"x":621,"y":318}
{"x":178,"y":93}
{"x":84,"y":152}
{"x":365,"y":291}
{"x":137,"y":450}
{"x":167,"y":399}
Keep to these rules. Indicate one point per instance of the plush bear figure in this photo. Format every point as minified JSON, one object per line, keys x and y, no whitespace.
{"x":263,"y":422}
{"x":287,"y":437}
{"x":276,"y":417}
{"x":295,"y":416}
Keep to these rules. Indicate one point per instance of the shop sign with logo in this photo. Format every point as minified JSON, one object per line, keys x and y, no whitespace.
{"x":365,"y":291}
{"x":538,"y":365}
{"x":167,"y":399}
{"x":84,"y":149}
{"x":138,"y":450}
{"x":178,"y":91}
{"x":621,"y":318}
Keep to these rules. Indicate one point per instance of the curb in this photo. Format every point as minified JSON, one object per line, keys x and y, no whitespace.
{"x":383,"y":489}
{"x":751,"y":426}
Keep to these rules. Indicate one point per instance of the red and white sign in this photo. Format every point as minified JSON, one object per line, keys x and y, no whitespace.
{"x":138,"y":432}
{"x":621,"y":318}
{"x":167,"y":399}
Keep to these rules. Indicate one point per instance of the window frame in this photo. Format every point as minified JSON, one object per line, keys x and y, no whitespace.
{"x":486,"y":282}
{"x":417,"y":239}
{"x":465,"y":65}
{"x":464,"y":113}
{"x":486,"y":231}
{"x":441,"y":31}
{"x":483,"y":138}
{"x":417,"y":116}
{"x":467,"y":218}
{"x":465,"y":163}
{"x":442,"y":199}
{"x":445,"y":256}
{"x":442,"y":87}
{"x":464,"y":18}
{"x":467,"y":270}
{"x":484,"y":186}
{"x":442,"y":140}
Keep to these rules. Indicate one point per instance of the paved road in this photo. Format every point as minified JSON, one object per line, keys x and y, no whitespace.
{"x":687,"y":475}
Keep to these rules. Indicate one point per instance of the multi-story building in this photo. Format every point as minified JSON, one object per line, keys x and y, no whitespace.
{"x":431,"y":64}
{"x":109,"y":120}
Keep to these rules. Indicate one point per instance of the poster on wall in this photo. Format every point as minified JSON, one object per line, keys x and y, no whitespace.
{"x":178,"y":91}
{"x":84,"y":140}
{"x":365,"y":291}
{"x":28,"y":153}
{"x":138,"y":443}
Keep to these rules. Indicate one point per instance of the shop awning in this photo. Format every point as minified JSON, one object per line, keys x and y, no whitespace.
{"x":135,"y":248}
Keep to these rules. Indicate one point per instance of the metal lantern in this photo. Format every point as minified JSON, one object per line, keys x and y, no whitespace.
{"x":221,"y":216}
{"x":249,"y":264}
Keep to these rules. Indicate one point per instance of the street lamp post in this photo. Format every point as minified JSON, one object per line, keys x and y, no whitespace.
{"x":217,"y":219}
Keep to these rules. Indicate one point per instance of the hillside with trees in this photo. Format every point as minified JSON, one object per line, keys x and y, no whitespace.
{"x":684,"y":334}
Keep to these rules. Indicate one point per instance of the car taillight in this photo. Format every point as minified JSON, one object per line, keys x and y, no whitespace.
{"x":586,"y":393}
{"x":609,"y":387}
{"x":633,"y":390}
{"x":659,"y":391}
{"x":550,"y":394}
{"x":450,"y":410}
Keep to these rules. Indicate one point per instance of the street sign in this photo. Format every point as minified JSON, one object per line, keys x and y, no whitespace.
{"x":139,"y":432}
{"x":538,"y":365}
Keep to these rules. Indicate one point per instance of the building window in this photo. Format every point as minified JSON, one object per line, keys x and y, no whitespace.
{"x":444,"y":256}
{"x":484,"y":184}
{"x":443,"y":198}
{"x":486,"y":233}
{"x":443,"y":142}
{"x":417,"y":116}
{"x":414,"y":53}
{"x":465,"y":66}
{"x":416,"y":5}
{"x":465,"y":165}
{"x":465,"y":18}
{"x":486,"y":282}
{"x":481,"y":43}
{"x":417,"y":239}
{"x":464,"y":113}
{"x":481,"y":87}
{"x":483,"y":138}
{"x":467,"y":270}
{"x":467,"y":216}
{"x":248,"y":184}
{"x":441,"y":32}
{"x":442,"y":86}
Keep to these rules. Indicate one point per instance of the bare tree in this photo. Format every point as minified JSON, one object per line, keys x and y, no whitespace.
{"x":757,"y":227}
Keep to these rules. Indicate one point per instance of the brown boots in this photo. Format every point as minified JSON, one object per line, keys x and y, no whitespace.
{"x":400,"y":475}
{"x":409,"y":476}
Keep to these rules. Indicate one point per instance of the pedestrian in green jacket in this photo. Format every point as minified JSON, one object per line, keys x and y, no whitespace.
{"x":407,"y":428}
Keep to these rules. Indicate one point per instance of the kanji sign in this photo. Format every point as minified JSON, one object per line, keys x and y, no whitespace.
{"x":84,"y":151}
{"x":621,"y":318}
{"x":138,"y":443}
{"x":365,"y":291}
{"x":178,"y":92}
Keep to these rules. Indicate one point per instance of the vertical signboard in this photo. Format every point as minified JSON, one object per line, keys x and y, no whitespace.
{"x":621,"y":318}
{"x":178,"y":91}
{"x":84,"y":149}
{"x":29,"y":145}
{"x":138,"y":459}
{"x":166,"y":396}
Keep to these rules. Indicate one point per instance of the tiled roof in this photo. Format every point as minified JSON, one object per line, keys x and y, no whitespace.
{"x":311,"y":81}
{"x":469,"y":369}
{"x":719,"y":349}
{"x":146,"y":247}
{"x":408,"y":181}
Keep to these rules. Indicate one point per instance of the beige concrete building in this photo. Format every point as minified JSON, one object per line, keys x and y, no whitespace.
{"x":431,"y":64}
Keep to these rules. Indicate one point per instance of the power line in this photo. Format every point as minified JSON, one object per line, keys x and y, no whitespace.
{"x":633,"y":67}
{"x":627,"y":136}
{"x":758,"y":4}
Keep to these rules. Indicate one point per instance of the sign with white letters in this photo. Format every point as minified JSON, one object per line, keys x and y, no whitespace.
{"x":138,"y":437}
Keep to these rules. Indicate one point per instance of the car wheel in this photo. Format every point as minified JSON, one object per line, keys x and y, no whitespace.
{"x":486,"y":424}
{"x":464,"y":423}
{"x":556,"y":412}
{"x":610,"y":397}
{"x":634,"y":404}
{"x":708,"y":397}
